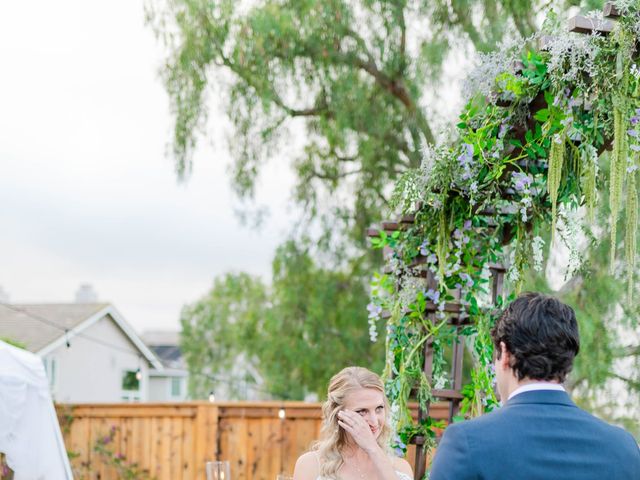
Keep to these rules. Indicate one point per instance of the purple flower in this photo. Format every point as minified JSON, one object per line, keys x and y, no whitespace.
{"x":632,"y":133}
{"x":465,"y":277}
{"x":567,"y":121}
{"x":503,"y":130}
{"x":635,"y":148}
{"x":467,"y":225}
{"x":574,"y":102}
{"x":521,"y":181}
{"x":466,"y":157}
{"x":634,"y":120}
{"x":457,"y":234}
{"x":432,"y":259}
{"x":374,"y":310}
{"x":433,"y":295}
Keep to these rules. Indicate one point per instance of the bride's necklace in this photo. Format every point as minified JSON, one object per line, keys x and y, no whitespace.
{"x":361,"y":474}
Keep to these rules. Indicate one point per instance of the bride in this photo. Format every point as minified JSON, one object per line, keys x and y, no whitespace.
{"x":355,"y":433}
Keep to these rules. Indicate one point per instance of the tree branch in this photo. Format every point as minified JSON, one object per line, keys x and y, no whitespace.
{"x":634,"y":383}
{"x":324,"y":176}
{"x":630,"y":351}
{"x":395,"y":86}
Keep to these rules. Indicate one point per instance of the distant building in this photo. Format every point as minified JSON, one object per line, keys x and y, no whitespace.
{"x":170,"y":383}
{"x":241,"y":382}
{"x":90,"y":353}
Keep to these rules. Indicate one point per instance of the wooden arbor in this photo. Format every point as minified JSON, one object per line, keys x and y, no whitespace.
{"x":457,"y":319}
{"x":456,"y":316}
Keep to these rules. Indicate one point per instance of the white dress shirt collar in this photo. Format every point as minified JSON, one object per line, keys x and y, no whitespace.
{"x":530,"y":387}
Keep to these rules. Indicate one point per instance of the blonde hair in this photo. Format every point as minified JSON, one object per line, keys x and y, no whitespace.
{"x":333,"y":438}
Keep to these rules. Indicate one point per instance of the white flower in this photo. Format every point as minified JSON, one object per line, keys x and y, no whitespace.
{"x":538,"y":255}
{"x":428,"y":157}
{"x":373,"y":332}
{"x":440,"y":382}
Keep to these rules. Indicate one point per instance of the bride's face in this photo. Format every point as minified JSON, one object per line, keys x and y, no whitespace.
{"x":369,"y":404}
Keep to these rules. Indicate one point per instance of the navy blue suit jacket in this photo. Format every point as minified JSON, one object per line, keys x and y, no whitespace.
{"x":537,"y":435}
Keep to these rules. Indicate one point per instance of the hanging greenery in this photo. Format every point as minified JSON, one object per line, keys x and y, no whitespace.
{"x":527,"y":153}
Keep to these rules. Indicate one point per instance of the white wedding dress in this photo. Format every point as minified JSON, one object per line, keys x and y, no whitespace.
{"x":401,"y":476}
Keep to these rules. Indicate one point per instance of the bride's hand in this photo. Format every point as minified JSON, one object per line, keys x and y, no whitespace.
{"x":359,"y":429}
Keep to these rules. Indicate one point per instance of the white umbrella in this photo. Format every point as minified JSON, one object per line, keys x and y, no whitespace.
{"x":30,"y":436}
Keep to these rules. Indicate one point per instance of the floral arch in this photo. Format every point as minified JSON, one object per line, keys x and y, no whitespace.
{"x":552,"y":122}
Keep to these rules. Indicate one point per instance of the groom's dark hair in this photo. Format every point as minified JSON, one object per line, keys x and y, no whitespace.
{"x":541,"y":334}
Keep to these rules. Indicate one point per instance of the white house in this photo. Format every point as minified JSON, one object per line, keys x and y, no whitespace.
{"x":170,"y":383}
{"x":91,"y":354}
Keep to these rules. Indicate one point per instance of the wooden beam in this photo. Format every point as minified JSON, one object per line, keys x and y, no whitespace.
{"x":390,"y":226}
{"x":581,"y":24}
{"x":431,"y":307}
{"x":610,"y":10}
{"x":408,"y":219}
{"x":447,"y":394}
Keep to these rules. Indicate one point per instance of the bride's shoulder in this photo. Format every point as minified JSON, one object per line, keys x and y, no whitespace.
{"x":307,"y":466}
{"x":402,"y":466}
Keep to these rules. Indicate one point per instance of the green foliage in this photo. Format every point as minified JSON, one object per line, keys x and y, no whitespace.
{"x":515,"y":165}
{"x":130,"y":381}
{"x":352,"y":75}
{"x":15,"y":343}
{"x":215,"y":328}
{"x":308,"y":325}
{"x":104,"y":453}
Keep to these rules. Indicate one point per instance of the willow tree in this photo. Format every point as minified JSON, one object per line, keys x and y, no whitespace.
{"x":355,"y":81}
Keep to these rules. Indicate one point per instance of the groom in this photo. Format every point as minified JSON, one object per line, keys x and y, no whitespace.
{"x":539,"y":433}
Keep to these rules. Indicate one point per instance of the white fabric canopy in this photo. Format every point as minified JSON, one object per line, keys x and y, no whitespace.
{"x":29,"y":432}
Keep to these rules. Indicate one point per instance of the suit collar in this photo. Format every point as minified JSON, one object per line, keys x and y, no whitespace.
{"x":541,"y":397}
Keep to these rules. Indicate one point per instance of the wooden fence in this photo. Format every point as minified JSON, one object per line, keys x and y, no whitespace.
{"x":174,"y":440}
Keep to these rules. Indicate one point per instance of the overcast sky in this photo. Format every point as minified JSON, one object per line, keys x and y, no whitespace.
{"x":86,"y":192}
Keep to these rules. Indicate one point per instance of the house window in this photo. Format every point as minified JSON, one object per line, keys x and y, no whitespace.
{"x":130,"y":386}
{"x":176,"y":387}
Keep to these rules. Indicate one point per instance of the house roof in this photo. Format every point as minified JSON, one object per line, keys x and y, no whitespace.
{"x":166,"y":345}
{"x":44,"y":327}
{"x":33,"y":325}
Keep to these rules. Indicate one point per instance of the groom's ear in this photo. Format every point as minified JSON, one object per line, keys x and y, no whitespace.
{"x":504,"y":357}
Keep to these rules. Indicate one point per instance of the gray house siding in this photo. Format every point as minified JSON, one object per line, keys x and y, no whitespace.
{"x":89,"y":372}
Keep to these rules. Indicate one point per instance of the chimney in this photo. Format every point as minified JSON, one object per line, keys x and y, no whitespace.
{"x":86,"y":294}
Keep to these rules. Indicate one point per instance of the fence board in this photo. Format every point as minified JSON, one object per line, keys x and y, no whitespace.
{"x":173,"y":441}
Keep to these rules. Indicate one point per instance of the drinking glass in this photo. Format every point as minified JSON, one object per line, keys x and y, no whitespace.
{"x":218,"y":470}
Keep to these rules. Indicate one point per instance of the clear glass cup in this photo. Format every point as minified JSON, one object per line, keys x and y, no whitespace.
{"x":218,"y":470}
